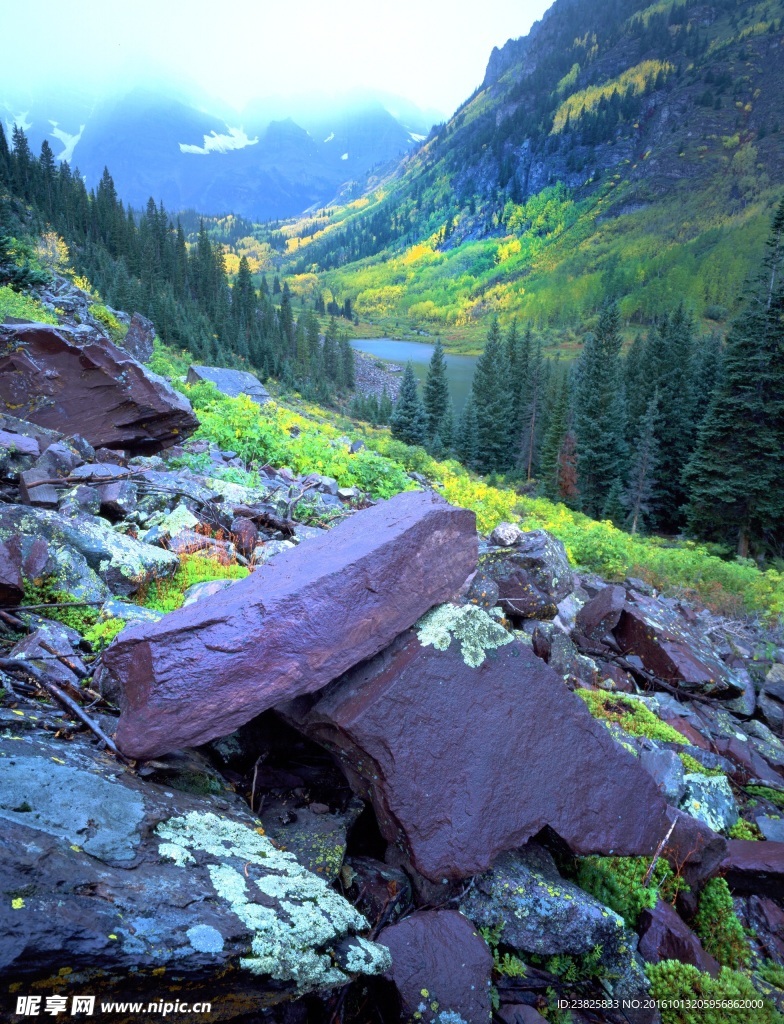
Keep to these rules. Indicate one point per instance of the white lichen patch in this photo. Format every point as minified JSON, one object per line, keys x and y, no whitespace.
{"x":308,"y":916}
{"x":477,"y":630}
{"x":205,"y":939}
{"x":171,"y":851}
{"x":365,"y":957}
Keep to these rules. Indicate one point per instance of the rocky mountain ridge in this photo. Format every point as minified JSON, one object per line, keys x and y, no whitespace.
{"x":264,"y":164}
{"x":462,"y":733}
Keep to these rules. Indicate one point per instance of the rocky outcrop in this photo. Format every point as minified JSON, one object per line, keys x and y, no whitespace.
{"x":123,"y":563}
{"x":144,"y":888}
{"x":289,"y":628}
{"x":468,"y":745}
{"x":93,"y":389}
{"x":139,"y":338}
{"x":532,"y":575}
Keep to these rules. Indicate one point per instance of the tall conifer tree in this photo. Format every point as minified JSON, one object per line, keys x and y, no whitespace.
{"x":736,"y":475}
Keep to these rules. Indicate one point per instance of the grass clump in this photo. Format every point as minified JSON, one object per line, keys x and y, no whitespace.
{"x":745,"y":830}
{"x":673,"y":984}
{"x":617,"y":882}
{"x":114,"y":328}
{"x":167,"y":595}
{"x":773,"y":796}
{"x":630,"y":714}
{"x":718,"y":926}
{"x":773,"y":973}
{"x":692,"y":766}
{"x":102,"y":633}
{"x":46,"y":591}
{"x":23,"y":306}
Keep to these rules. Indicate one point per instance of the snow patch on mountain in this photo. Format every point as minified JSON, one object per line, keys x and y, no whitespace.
{"x":221,"y":143}
{"x":68,"y":140}
{"x":330,"y":137}
{"x":344,"y":157}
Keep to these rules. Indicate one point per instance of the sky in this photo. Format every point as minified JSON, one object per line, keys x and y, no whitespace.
{"x":433,"y":52}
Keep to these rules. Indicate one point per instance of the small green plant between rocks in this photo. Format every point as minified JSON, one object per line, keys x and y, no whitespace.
{"x":674,"y":984}
{"x":632,"y":716}
{"x":718,"y":926}
{"x":617,"y":882}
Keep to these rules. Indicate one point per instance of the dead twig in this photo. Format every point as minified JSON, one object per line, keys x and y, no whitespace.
{"x":15,"y":665}
{"x":651,"y":867}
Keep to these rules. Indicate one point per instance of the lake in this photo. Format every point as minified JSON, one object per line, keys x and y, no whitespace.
{"x":459,"y":369}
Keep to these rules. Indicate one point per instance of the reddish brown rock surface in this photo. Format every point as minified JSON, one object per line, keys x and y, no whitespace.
{"x":667,"y":650}
{"x":289,"y":628}
{"x":464,"y":763}
{"x":754,"y":867}
{"x":440,"y":953}
{"x":664,"y":936}
{"x":600,"y":615}
{"x":93,"y":389}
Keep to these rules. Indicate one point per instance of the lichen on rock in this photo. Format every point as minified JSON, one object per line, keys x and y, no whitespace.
{"x":297,"y":916}
{"x":477,"y":630}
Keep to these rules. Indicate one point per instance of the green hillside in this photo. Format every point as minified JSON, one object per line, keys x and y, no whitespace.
{"x":632,"y":153}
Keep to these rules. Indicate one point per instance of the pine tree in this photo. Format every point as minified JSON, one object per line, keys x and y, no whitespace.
{"x":492,"y":405}
{"x":553,"y":439}
{"x":436,"y":391}
{"x":409,"y":423}
{"x":675,"y":427}
{"x":599,"y":413}
{"x":736,"y":475}
{"x":466,"y":442}
{"x":346,"y":356}
{"x":642,"y":478}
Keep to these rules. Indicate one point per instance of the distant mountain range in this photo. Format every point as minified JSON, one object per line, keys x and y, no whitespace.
{"x":274,"y":160}
{"x":627,"y":150}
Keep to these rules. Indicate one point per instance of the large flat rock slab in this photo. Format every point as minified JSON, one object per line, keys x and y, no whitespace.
{"x":291,"y":627}
{"x":466,"y":757}
{"x":93,"y":389}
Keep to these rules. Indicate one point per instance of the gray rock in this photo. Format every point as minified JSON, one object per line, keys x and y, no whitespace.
{"x":230,"y":382}
{"x":121,"y":562}
{"x":532,"y":577}
{"x":140,"y":337}
{"x":347,"y":493}
{"x":745,"y":705}
{"x":774,"y":683}
{"x":317,"y":840}
{"x":666,"y":768}
{"x":771,"y":828}
{"x":506,"y":535}
{"x":81,"y":499}
{"x":206,"y":589}
{"x":328,"y":485}
{"x":114,"y":609}
{"x":543,"y":913}
{"x":772,"y":712}
{"x":264,"y":552}
{"x":709,"y":799}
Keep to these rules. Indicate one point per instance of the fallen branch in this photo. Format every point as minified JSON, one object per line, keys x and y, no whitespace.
{"x":649,"y":873}
{"x":15,"y":665}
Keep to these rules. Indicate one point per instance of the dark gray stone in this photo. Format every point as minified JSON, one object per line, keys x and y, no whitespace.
{"x":230,"y":382}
